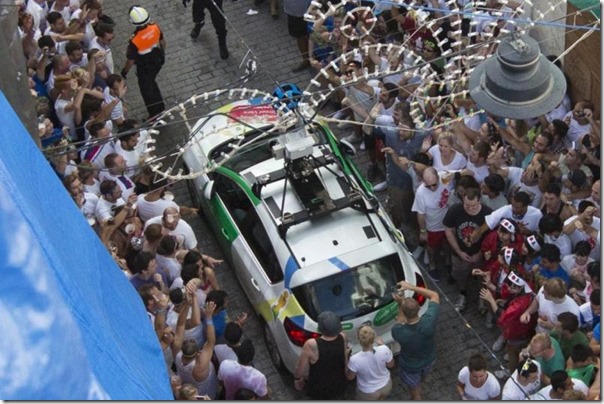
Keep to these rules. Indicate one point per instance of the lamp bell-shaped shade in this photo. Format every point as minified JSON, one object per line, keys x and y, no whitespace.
{"x":518,"y":82}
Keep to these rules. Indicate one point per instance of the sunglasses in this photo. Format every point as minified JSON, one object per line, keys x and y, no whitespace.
{"x":432,"y":186}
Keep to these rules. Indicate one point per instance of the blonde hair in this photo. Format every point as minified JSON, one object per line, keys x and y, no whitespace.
{"x":81,"y":75}
{"x":448,"y":136}
{"x":63,"y":82}
{"x":555,"y":287}
{"x":366,"y":336}
{"x":188,"y":392}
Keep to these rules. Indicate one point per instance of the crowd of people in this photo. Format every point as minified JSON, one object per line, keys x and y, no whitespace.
{"x":512,"y":204}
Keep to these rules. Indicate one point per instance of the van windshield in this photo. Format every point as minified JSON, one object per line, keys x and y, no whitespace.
{"x":352,"y":293}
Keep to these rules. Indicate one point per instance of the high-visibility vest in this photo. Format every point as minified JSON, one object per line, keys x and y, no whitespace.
{"x":147,"y":39}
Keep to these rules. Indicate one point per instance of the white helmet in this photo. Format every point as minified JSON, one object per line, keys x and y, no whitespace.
{"x":138,"y":15}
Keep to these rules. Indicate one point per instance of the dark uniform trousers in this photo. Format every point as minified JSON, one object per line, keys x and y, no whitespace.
{"x":218,"y":20}
{"x":147,"y":69}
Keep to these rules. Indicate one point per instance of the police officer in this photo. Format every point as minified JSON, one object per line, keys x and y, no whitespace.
{"x":218,"y":20}
{"x":146,"y":49}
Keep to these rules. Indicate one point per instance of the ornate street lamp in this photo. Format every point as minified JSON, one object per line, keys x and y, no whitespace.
{"x":518,"y":81}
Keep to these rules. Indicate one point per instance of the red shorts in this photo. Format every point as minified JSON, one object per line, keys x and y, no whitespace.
{"x":436,"y":238}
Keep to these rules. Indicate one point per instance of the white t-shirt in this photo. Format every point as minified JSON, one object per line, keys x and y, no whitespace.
{"x":66,"y":118}
{"x":96,"y":154}
{"x":89,"y":34}
{"x":104,"y":209}
{"x":433,"y":204}
{"x":516,"y":184}
{"x":236,"y":376}
{"x":170,"y":266}
{"x":569,"y":263}
{"x":530,"y":219}
{"x":370,"y":368}
{"x":183,"y":232}
{"x":95,"y":188}
{"x":132,"y":158}
{"x":551,"y":310}
{"x":578,"y":235}
{"x":118,"y":111}
{"x":459,"y":161}
{"x":146,"y":210}
{"x":562,"y":242}
{"x":480,"y":173}
{"x":195,"y":333}
{"x":224,"y":352}
{"x":125,"y":182}
{"x":95,"y":44}
{"x":575,"y":129}
{"x":513,"y":390}
{"x":543,"y":394}
{"x":489,"y":389}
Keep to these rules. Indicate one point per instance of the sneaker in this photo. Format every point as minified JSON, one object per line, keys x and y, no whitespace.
{"x":460,"y":304}
{"x":502,"y":374}
{"x":499,"y":344}
{"x":354,"y":138}
{"x":303,"y":65}
{"x":196,"y":29}
{"x":382,"y":186}
{"x":434,"y":275}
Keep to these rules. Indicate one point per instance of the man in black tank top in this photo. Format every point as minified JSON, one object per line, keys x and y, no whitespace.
{"x":326,"y":359}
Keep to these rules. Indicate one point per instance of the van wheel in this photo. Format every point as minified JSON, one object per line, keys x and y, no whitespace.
{"x":273,"y":349}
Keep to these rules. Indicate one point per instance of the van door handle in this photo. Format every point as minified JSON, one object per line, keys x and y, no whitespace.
{"x":225,"y":234}
{"x":255,"y":284}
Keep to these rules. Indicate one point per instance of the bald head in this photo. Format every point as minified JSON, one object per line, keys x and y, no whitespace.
{"x":171,"y":218}
{"x":430,"y":177}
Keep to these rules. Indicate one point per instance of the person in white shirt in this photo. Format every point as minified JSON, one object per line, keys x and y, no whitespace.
{"x":116,"y":88}
{"x":128,"y":136}
{"x":116,"y":171}
{"x":524,"y":381}
{"x":111,"y":199}
{"x":477,"y":161}
{"x":584,"y":226}
{"x":174,"y":225}
{"x":38,"y":9}
{"x":578,"y":124}
{"x":444,"y":157}
{"x":99,"y":146}
{"x":474,"y":382}
{"x":560,"y":382}
{"x":370,"y":367}
{"x":102,"y":41}
{"x":526,"y":217}
{"x":551,"y":300}
{"x":430,"y":204}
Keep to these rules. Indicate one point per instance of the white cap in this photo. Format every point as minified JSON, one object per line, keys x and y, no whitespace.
{"x":138,"y":15}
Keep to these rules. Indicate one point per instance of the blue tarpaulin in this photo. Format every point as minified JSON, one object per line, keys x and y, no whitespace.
{"x":73,"y":327}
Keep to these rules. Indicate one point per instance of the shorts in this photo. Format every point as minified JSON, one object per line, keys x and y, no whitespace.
{"x":414,"y":380}
{"x":379,"y":394}
{"x":436,"y":238}
{"x":296,"y":26}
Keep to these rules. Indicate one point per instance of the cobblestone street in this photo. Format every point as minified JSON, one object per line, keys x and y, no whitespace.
{"x":194,"y":66}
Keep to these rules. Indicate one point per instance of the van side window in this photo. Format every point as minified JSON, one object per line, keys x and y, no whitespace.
{"x":246,"y":218}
